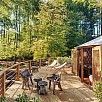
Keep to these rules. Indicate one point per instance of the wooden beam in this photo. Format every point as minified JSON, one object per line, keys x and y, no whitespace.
{"x":90,"y":46}
{"x":49,"y":60}
{"x":3,"y":84}
{"x":93,"y":68}
{"x":82,"y":66}
{"x":39,"y":63}
{"x":18,"y":72}
{"x":30,"y":66}
{"x":78,"y":65}
{"x":72,"y":59}
{"x":101,"y":62}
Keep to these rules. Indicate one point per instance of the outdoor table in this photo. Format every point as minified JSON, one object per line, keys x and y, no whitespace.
{"x":42,"y":83}
{"x":42,"y":89}
{"x":37,"y":80}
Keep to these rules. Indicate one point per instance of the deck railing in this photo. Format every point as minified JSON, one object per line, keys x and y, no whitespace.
{"x":11,"y":74}
{"x":2,"y":83}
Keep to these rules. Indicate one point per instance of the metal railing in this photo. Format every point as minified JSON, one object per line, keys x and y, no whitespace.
{"x":11,"y":74}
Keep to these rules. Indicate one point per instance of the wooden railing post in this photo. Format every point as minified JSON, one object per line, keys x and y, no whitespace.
{"x":82,"y":66}
{"x":3,"y":84}
{"x":30,"y":65}
{"x":49,"y":60}
{"x":18,"y":72}
{"x":39,"y":63}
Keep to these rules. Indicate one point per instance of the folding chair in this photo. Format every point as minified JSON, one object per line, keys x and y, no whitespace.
{"x":58,"y":68}
{"x":90,"y":79}
{"x":52,"y":65}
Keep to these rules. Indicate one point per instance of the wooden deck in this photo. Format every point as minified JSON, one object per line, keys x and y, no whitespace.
{"x":73,"y":89}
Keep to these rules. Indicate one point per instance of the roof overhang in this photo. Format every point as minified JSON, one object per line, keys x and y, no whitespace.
{"x":92,"y":43}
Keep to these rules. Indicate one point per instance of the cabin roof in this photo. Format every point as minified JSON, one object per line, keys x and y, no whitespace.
{"x":94,"y":42}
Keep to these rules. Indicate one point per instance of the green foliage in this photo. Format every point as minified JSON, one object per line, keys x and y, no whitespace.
{"x":21,"y":98}
{"x":73,"y":35}
{"x":25,"y":98}
{"x":3,"y":99}
{"x":39,"y":49}
{"x":16,"y":14}
{"x":61,"y":60}
{"x":39,"y":28}
{"x":98,"y":90}
{"x":91,"y":14}
{"x":51,"y":29}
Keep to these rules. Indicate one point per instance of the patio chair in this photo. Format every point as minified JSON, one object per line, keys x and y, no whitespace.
{"x":60,"y":67}
{"x":52,"y":65}
{"x":55,"y":79}
{"x":26,"y":76}
{"x":90,"y":79}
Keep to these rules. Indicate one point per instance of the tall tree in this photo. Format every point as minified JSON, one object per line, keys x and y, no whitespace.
{"x":91,"y":20}
{"x":74,"y":35}
{"x":50,"y":27}
{"x":18,"y":13}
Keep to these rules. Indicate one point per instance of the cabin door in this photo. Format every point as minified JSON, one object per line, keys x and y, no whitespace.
{"x":96,"y":63}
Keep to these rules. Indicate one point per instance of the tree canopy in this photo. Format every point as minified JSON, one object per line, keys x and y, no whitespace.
{"x":36,"y":28}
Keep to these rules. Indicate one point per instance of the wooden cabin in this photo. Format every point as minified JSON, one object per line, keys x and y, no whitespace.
{"x":87,"y":60}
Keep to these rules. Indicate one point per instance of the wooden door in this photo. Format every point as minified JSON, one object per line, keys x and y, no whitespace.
{"x":96,"y":64}
{"x":74,"y":61}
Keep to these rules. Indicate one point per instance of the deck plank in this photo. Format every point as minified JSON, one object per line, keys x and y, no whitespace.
{"x":73,"y":89}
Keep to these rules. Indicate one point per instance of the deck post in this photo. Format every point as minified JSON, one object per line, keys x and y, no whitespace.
{"x":30,"y":66}
{"x":3,"y":85}
{"x":39,"y":63}
{"x":101,"y":64}
{"x":82,"y":66}
{"x":18,"y":72}
{"x":78,"y":62}
{"x":49,"y":60}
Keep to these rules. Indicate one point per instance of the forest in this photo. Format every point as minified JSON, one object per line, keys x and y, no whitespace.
{"x":33,"y":29}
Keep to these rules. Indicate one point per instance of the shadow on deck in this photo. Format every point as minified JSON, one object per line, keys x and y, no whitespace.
{"x":73,"y":89}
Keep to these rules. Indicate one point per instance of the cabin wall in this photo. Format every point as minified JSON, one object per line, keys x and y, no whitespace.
{"x":74,"y":56}
{"x":101,"y":62}
{"x":88,"y":56}
{"x":96,"y":64}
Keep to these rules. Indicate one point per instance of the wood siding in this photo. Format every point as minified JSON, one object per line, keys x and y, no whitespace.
{"x":74,"y":61}
{"x":96,"y":64}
